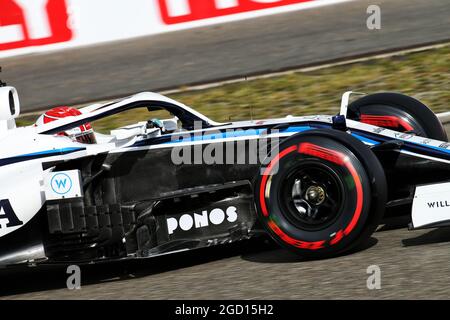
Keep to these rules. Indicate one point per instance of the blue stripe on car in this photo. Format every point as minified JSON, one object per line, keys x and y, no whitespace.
{"x":409,"y":145}
{"x":235,"y":134}
{"x":37,"y":155}
{"x":364,"y":139}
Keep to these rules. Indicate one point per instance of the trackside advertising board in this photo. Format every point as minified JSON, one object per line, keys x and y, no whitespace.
{"x":28,"y":26}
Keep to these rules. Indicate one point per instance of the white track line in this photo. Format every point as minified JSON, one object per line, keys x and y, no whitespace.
{"x":443,"y":116}
{"x":307,"y":69}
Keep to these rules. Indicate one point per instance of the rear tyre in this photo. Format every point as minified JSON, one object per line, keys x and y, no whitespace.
{"x":322,"y":194}
{"x":398,"y":112}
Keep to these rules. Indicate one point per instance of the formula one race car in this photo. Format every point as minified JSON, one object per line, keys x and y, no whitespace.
{"x":319,"y":185}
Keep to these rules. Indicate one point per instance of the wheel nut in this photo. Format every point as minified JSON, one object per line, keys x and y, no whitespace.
{"x":315,"y":195}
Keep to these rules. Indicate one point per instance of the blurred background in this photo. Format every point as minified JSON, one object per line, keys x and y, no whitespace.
{"x":78,"y":51}
{"x":222,"y":57}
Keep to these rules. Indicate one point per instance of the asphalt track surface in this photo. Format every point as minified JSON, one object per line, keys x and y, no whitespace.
{"x":413,"y":264}
{"x":248,"y":47}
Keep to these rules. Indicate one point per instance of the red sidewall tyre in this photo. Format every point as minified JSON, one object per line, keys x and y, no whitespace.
{"x":350,"y":180}
{"x":397,"y":112}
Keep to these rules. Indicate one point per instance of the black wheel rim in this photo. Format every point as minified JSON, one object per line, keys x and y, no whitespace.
{"x":312,"y":195}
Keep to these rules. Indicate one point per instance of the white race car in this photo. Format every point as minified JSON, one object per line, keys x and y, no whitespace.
{"x":319,"y":185}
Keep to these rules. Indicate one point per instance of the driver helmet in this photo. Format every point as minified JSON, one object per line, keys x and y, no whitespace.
{"x":82,"y":134}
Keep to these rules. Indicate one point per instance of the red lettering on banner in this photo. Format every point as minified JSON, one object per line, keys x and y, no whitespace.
{"x":179,"y":11}
{"x":25,"y":23}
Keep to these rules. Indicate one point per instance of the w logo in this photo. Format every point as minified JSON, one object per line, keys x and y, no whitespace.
{"x":61,"y":183}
